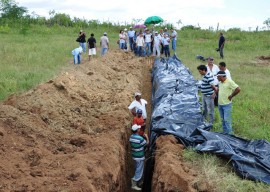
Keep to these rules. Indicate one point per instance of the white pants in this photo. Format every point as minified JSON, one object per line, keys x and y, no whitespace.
{"x":156,"y":49}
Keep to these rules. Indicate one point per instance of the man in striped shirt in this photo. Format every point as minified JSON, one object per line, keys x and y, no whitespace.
{"x":138,"y":144}
{"x":208,"y":90}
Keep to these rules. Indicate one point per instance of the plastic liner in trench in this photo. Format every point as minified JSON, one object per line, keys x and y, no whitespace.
{"x":176,"y":111}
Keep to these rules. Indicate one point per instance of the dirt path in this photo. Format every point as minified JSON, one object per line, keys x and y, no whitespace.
{"x":71,"y":133}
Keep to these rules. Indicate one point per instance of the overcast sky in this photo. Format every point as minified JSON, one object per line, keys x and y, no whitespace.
{"x":205,"y":13}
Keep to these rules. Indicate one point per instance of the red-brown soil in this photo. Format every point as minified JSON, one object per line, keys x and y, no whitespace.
{"x":71,"y":133}
{"x":171,"y":173}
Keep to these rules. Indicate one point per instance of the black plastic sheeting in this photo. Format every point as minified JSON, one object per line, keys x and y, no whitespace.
{"x":176,"y":111}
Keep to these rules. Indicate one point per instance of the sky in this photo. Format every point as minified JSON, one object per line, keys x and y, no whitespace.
{"x":244,"y":14}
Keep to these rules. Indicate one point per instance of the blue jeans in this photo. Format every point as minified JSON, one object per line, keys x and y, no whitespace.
{"x":83,"y":45}
{"x":208,"y":108}
{"x":147,"y":46}
{"x":103,"y":51}
{"x":139,"y":51}
{"x":174,"y":45}
{"x":167,"y":50}
{"x":122,"y":45}
{"x":77,"y":59}
{"x":225,"y":112}
{"x":131,"y":43}
{"x":139,"y":165}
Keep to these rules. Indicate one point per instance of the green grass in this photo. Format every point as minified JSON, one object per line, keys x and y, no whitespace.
{"x":218,"y":172}
{"x":36,"y":55}
{"x":251,"y":108}
{"x":32,"y":55}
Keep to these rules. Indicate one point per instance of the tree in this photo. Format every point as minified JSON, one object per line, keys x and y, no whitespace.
{"x":267,"y":23}
{"x":10,"y":10}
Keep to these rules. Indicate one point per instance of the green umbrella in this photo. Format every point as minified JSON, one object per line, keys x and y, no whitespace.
{"x":153,"y":20}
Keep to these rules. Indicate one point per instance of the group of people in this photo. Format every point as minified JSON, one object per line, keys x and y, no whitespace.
{"x":148,"y":42}
{"x":218,"y":89}
{"x":139,"y":139}
{"x":91,"y":44}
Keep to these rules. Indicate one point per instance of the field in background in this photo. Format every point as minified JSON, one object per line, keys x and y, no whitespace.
{"x":36,"y":54}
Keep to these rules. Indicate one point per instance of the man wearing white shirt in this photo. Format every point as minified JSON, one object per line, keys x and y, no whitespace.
{"x":138,"y":103}
{"x":222,"y":67}
{"x":157,"y":42}
{"x":213,"y":69}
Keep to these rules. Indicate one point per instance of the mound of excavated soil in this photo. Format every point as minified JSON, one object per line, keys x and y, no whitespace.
{"x":71,"y":133}
{"x":171,"y":173}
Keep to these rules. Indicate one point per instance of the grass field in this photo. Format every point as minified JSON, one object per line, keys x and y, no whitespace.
{"x":36,"y":54}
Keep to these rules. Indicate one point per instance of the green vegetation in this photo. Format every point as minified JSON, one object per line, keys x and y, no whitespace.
{"x":219,"y":173}
{"x":34,"y":49}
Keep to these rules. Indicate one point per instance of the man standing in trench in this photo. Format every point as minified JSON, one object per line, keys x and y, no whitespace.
{"x":138,"y":144}
{"x":227,"y":90}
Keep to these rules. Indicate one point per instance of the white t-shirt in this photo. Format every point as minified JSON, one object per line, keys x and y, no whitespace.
{"x":228,"y":74}
{"x":140,"y":41}
{"x":166,"y":40}
{"x":137,"y":105}
{"x":214,"y":72}
{"x":148,"y":38}
{"x":157,"y":39}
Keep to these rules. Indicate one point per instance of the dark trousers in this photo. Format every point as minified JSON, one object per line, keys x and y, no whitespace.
{"x":162,"y":49}
{"x":167,"y":50}
{"x":216,"y":98}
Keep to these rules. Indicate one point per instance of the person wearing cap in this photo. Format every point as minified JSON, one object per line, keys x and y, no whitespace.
{"x":213,"y":69}
{"x":76,"y":55}
{"x":138,"y":144}
{"x":91,"y":46}
{"x":227,"y":90}
{"x":222,"y":67}
{"x":157,"y":43}
{"x":138,"y":103}
{"x":208,"y":90}
{"x":104,"y":43}
{"x":173,"y":38}
{"x":166,"y":42}
{"x":138,"y":119}
{"x":139,"y":45}
{"x":221,"y":43}
{"x":82,"y":41}
{"x":131,"y":34}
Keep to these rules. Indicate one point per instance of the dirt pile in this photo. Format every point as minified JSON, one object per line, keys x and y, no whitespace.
{"x":171,"y":173}
{"x":70,"y":134}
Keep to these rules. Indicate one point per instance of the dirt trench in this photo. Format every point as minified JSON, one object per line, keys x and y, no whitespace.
{"x":71,"y":133}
